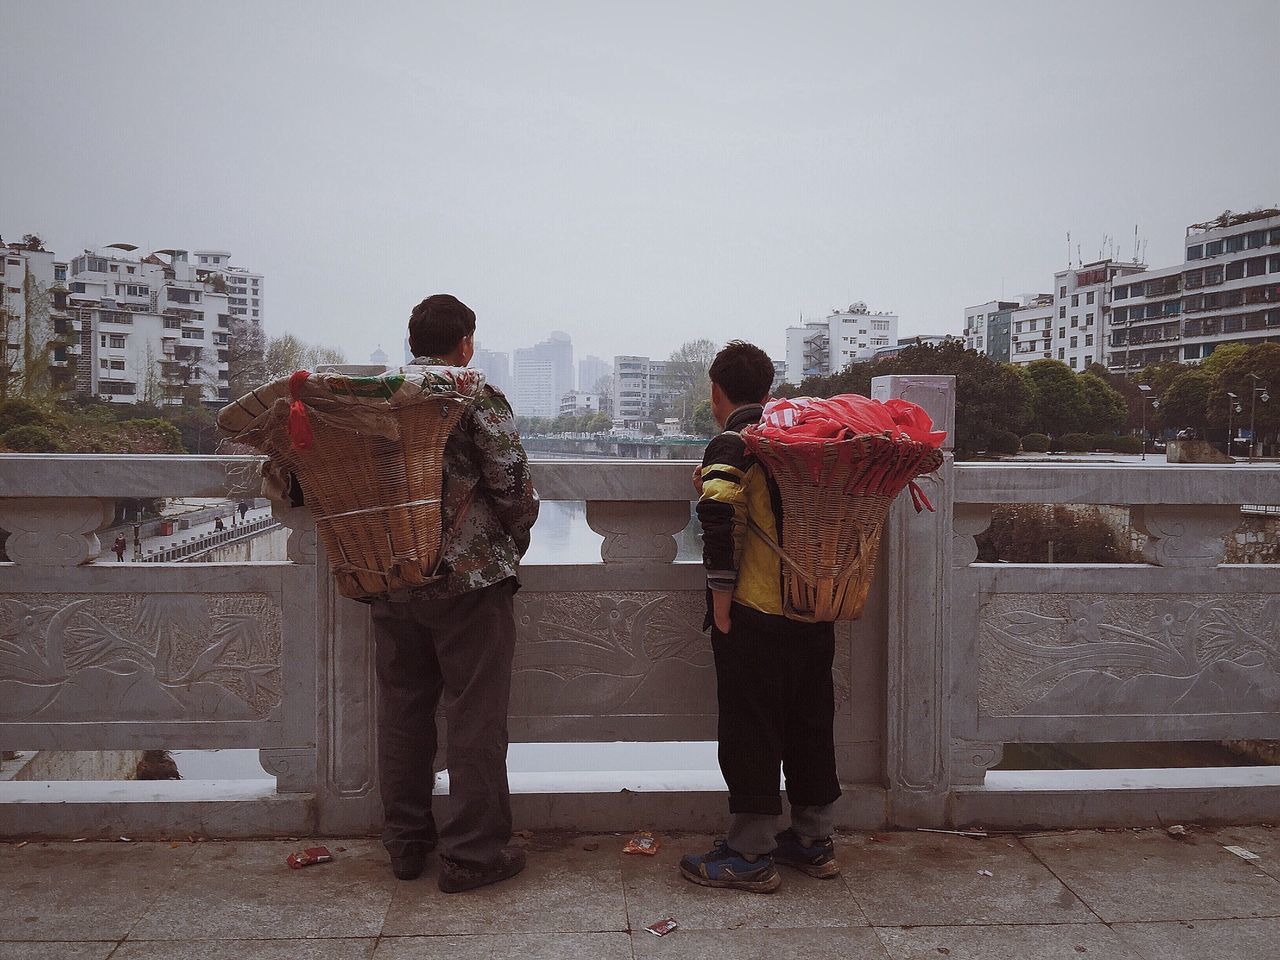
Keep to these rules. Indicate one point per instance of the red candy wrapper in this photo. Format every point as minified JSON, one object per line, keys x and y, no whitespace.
{"x":308,"y":857}
{"x":662,"y":927}
{"x":643,"y":842}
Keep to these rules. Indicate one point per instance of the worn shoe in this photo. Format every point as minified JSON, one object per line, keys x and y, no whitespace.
{"x":456,"y":877}
{"x":722,"y":867}
{"x":409,"y":863}
{"x":818,"y":860}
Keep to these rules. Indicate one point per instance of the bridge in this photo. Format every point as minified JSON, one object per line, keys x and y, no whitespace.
{"x":952,"y":660}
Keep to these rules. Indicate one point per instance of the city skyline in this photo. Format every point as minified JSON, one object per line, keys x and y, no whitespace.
{"x":554,"y":178}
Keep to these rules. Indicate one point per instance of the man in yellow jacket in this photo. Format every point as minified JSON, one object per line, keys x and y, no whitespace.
{"x":773,"y":674}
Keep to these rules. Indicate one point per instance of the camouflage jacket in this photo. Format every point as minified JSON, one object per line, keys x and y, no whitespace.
{"x":486,"y":474}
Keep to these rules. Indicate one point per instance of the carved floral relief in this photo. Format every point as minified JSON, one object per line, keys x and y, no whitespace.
{"x":1114,"y":654}
{"x":131,"y":657}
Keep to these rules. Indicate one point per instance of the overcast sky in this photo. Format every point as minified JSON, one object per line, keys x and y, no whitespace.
{"x":635,"y":174}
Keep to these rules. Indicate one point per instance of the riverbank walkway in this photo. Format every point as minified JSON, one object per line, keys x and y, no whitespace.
{"x":1115,"y":895}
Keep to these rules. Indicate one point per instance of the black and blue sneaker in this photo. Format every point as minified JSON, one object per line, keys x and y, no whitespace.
{"x":818,"y":860}
{"x":722,"y":867}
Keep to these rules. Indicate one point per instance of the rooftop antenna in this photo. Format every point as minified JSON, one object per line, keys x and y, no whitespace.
{"x":1068,"y":249}
{"x":1079,"y":258}
{"x":1144,"y":250}
{"x":1135,"y":243}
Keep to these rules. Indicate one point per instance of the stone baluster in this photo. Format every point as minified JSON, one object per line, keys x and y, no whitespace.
{"x":638,"y":532}
{"x":918,"y":575}
{"x":54,"y":531}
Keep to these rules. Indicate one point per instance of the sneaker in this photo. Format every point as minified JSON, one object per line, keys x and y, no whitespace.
{"x":818,"y":860}
{"x":722,"y":867}
{"x":456,"y":877}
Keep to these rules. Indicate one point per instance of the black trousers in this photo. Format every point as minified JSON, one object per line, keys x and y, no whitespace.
{"x":777,"y":708}
{"x":461,"y":647}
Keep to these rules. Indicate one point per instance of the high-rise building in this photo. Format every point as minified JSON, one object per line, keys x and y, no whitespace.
{"x":641,"y":388}
{"x":1082,"y":298}
{"x":496,"y":367}
{"x":541,"y":375}
{"x":1226,"y":290}
{"x":246,"y":294}
{"x":591,"y":370}
{"x":820,"y":348}
{"x":38,"y":340}
{"x":156,"y":328}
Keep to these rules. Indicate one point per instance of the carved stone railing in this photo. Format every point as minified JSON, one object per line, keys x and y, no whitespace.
{"x":950,"y":660}
{"x":1181,"y":647}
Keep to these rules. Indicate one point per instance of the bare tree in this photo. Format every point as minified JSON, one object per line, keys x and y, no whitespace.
{"x":687,"y":377}
{"x":288,"y":353}
{"x":246,"y":356}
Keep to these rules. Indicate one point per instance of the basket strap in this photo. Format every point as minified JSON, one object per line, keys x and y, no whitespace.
{"x":773,"y":545}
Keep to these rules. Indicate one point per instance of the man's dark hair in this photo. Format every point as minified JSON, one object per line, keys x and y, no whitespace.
{"x":438,"y":323}
{"x":743,"y":371}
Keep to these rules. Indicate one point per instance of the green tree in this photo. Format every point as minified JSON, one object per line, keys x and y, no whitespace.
{"x":703,"y":421}
{"x":1222,"y":357}
{"x":1185,"y":401}
{"x":1246,"y":375}
{"x":1103,"y":407}
{"x":1057,"y":398}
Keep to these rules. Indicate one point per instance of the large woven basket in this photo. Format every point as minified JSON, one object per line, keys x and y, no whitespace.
{"x":835,"y":497}
{"x":372,"y":471}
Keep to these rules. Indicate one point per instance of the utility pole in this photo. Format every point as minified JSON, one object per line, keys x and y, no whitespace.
{"x":1155,"y":405}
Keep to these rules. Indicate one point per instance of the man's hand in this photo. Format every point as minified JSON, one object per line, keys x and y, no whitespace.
{"x":697,"y":479}
{"x":721,"y":606}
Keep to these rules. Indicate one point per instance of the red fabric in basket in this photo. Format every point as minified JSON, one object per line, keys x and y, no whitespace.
{"x":806,"y":419}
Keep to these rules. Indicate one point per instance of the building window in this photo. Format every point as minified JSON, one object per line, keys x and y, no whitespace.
{"x":1062,"y":291}
{"x":1074,"y":344}
{"x":1061,"y":353}
{"x":103,"y":363}
{"x":1062,"y":332}
{"x":1088,"y":319}
{"x":1088,"y":297}
{"x":1119,"y":293}
{"x":1073,"y":363}
{"x":1088,"y":340}
{"x":117,"y":364}
{"x":117,"y":341}
{"x":1213,"y":248}
{"x":1235,"y":244}
{"x":1075,"y":299}
{"x":1195,"y":252}
{"x":172,"y":323}
{"x":1062,"y":313}
{"x":1273,"y":265}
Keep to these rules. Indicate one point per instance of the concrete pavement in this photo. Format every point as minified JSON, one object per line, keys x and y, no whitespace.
{"x":1121,"y":895}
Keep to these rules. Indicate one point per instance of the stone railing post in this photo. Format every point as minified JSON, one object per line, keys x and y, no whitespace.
{"x":917,"y":576}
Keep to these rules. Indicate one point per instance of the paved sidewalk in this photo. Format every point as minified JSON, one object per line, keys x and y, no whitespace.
{"x":157,"y":544}
{"x":1125,"y":895}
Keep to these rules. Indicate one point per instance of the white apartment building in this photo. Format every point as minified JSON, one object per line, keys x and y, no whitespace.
{"x":496,"y":367}
{"x":591,"y":370}
{"x":640,"y":385}
{"x":820,"y":348}
{"x":577,"y":403}
{"x":977,"y":320}
{"x":1031,"y":330}
{"x":1082,"y":302}
{"x":37,"y":338}
{"x":245,"y":289}
{"x":153,"y":329}
{"x":1227,"y":290}
{"x":541,"y":375}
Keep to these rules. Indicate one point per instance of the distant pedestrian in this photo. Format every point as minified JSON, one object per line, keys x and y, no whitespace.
{"x":244,"y":508}
{"x":119,"y":547}
{"x":218,"y":524}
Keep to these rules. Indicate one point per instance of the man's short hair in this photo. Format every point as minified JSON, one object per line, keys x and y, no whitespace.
{"x":743,"y":371}
{"x":438,"y":324}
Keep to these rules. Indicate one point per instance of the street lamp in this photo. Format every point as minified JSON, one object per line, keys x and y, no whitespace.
{"x":1258,"y":388}
{"x":1155,"y":405}
{"x":1233,"y":407}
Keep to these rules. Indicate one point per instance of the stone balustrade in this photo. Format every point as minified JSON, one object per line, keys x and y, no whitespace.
{"x":951,"y":660}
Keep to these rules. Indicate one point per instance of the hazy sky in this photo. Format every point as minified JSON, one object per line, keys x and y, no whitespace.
{"x":636,"y":174}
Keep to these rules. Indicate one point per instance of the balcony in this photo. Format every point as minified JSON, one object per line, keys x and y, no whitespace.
{"x":953,"y":659}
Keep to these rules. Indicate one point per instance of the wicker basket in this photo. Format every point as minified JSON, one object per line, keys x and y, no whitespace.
{"x":372,"y":470}
{"x":835,"y":498}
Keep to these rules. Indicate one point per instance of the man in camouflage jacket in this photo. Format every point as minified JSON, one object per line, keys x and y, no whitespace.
{"x":456,"y":637}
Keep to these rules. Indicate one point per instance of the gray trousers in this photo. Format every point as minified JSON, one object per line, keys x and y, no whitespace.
{"x":461,"y":647}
